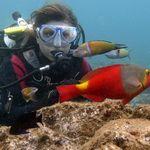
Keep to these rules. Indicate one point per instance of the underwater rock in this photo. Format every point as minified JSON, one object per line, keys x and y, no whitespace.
{"x":142,"y":111}
{"x":79,"y":121}
{"x":85,"y":125}
{"x":133,"y":134}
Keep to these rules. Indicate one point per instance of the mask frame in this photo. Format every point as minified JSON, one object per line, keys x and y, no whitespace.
{"x":48,"y":33}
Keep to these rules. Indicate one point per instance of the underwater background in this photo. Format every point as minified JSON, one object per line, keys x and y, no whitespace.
{"x":119,"y":21}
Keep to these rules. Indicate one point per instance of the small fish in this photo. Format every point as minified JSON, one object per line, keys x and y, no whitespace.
{"x":120,"y":81}
{"x":95,"y":48}
{"x":118,"y":53}
{"x":29,"y":93}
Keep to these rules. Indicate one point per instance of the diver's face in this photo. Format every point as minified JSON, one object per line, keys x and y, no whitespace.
{"x":55,"y":36}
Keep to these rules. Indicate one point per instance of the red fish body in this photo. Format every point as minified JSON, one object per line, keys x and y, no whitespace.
{"x":119,"y":81}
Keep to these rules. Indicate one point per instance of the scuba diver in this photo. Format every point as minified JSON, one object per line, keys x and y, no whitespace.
{"x":55,"y":33}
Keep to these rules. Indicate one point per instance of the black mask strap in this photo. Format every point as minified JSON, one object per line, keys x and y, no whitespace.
{"x":74,"y":44}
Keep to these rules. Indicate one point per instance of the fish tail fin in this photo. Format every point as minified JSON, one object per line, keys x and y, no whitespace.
{"x":129,"y":54}
{"x":67,"y":92}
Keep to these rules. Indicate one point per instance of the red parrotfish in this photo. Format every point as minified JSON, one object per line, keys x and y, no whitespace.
{"x":120,"y":81}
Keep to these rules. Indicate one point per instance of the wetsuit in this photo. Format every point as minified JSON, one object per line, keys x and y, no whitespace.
{"x":15,"y":66}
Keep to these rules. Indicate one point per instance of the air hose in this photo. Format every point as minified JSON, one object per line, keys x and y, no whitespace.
{"x":41,"y":69}
{"x":57,"y":55}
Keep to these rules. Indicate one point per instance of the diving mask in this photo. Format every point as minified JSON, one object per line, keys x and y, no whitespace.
{"x":62,"y":34}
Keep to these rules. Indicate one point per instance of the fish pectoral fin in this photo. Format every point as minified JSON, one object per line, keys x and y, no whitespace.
{"x":94,"y":98}
{"x":134,"y":82}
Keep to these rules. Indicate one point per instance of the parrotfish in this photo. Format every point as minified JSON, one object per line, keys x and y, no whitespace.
{"x":119,"y":81}
{"x":118,"y":53}
{"x":96,"y":48}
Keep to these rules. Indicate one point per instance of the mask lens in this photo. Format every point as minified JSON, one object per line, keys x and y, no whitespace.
{"x":70,"y":34}
{"x":47,"y":33}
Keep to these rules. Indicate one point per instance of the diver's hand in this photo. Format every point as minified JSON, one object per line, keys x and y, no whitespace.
{"x":61,"y":68}
{"x":64,"y":65}
{"x":46,"y":97}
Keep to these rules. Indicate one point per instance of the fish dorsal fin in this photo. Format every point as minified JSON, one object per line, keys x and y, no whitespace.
{"x":96,"y":72}
{"x":91,"y":74}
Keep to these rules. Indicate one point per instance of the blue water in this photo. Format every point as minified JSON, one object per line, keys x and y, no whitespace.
{"x":118,"y":21}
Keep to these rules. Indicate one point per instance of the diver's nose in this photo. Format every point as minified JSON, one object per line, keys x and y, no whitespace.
{"x":57,"y":39}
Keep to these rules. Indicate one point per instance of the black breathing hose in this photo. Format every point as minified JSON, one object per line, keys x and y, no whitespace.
{"x":57,"y":54}
{"x":12,"y":50}
{"x":47,"y":67}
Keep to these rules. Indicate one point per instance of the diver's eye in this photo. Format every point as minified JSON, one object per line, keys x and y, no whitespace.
{"x":47,"y":32}
{"x":66,"y":34}
{"x":69,"y":35}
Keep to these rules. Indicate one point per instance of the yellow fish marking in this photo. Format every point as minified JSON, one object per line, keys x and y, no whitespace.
{"x":82,"y":86}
